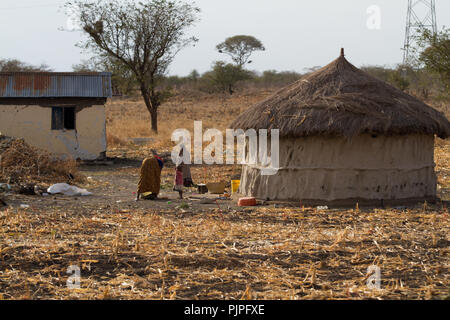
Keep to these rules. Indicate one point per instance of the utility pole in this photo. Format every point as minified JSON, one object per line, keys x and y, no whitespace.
{"x":421,"y":15}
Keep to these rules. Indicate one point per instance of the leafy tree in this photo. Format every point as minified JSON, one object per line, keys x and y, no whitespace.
{"x":436,"y":54}
{"x":142,"y":37}
{"x":194,"y":75}
{"x":14,"y":65}
{"x":225,"y":76}
{"x":240,"y":48}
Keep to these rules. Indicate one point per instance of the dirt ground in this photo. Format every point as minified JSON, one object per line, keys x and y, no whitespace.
{"x":181,"y":249}
{"x":116,"y":184}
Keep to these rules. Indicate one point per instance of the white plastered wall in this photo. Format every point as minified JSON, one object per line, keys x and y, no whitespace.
{"x":33,"y":123}
{"x":335,"y":168}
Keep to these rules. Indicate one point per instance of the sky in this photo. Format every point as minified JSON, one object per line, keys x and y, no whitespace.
{"x":297,"y":34}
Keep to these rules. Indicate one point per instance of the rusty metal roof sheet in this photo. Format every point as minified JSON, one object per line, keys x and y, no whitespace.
{"x":55,"y":85}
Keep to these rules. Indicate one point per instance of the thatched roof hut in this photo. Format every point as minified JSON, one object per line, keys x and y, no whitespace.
{"x":340,"y":99}
{"x":345,"y":135}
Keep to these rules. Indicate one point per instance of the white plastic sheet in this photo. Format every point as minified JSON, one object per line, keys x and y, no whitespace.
{"x":68,"y":190}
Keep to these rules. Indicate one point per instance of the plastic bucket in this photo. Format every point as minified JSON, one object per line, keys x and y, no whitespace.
{"x":235,"y":185}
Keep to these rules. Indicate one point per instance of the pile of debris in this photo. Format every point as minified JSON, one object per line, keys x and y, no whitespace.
{"x":22,"y":164}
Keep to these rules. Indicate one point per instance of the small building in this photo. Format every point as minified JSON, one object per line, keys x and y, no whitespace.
{"x":345,"y":137}
{"x":63,"y":113}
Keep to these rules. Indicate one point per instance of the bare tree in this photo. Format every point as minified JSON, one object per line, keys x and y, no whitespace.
{"x":144,"y":37}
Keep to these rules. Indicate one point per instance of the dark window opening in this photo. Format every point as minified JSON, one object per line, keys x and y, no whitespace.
{"x":63,"y":118}
{"x":69,"y":118}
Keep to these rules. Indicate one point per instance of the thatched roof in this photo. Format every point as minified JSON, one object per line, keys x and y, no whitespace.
{"x":340,"y":99}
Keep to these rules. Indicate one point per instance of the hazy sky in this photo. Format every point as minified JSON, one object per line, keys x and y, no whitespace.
{"x":297,"y":33}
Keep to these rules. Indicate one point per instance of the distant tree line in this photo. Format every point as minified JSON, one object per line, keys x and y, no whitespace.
{"x":228,"y":79}
{"x":222,"y":78}
{"x":428,"y":78}
{"x":418,"y":82}
{"x":14,"y":65}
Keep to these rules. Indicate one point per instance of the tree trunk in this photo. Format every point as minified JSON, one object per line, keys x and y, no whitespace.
{"x":230,"y":89}
{"x":152,"y":109}
{"x":154,"y":116}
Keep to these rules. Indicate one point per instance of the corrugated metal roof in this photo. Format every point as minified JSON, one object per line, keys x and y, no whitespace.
{"x":55,"y":85}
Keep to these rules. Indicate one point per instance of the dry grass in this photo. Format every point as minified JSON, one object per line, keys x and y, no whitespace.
{"x":26,"y":164}
{"x":266,"y":253}
{"x":128,"y":119}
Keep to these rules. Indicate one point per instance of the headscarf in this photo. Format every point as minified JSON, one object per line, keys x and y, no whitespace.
{"x":160,"y":161}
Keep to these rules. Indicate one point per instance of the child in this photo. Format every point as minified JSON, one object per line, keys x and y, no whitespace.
{"x":178,"y":186}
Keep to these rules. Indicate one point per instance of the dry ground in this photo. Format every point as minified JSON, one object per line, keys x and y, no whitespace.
{"x":173,"y":249}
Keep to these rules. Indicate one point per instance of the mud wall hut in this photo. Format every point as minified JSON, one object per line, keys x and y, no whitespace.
{"x":346,"y":137}
{"x":63,"y":113}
